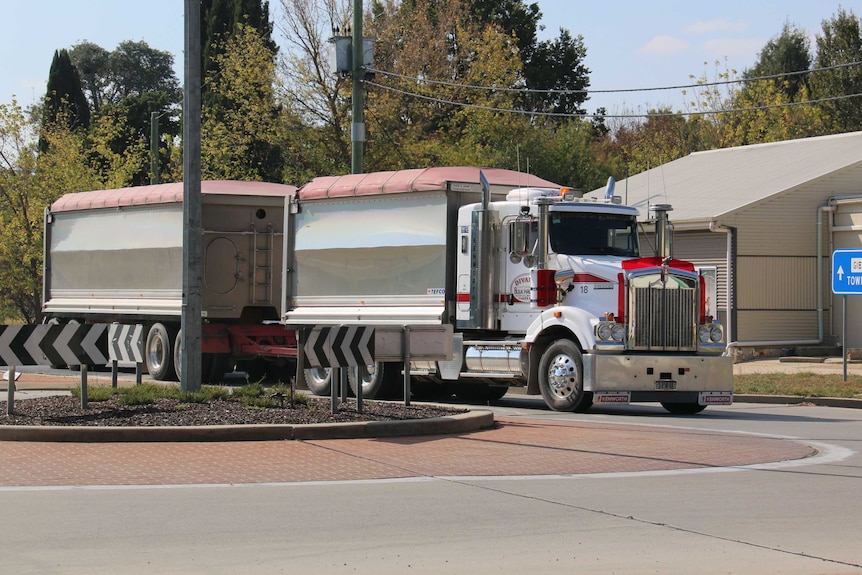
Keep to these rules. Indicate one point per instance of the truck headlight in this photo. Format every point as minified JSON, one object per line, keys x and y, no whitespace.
{"x":604,"y":331}
{"x":711,"y":333}
{"x":610,"y":331}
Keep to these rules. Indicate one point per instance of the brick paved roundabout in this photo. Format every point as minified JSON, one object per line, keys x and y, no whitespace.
{"x":514,"y":447}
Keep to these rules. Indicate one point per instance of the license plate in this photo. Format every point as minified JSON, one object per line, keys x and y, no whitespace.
{"x":665,"y":385}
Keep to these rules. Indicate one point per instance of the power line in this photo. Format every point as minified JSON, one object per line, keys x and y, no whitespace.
{"x":586,"y":115}
{"x":618,"y":91}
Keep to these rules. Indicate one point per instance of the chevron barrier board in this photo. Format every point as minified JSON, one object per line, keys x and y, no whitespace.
{"x":46,"y":344}
{"x":340,"y":346}
{"x":353,"y":345}
{"x":126,"y":342}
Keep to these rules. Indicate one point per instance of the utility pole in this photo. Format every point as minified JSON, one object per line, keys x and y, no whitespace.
{"x":190,"y":346}
{"x":154,"y":147}
{"x":357,"y":132}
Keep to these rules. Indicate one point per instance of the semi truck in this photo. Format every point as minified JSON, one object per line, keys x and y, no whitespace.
{"x":543,"y":289}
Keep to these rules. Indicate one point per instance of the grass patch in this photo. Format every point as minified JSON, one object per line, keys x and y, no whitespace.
{"x":804,"y":384}
{"x":252,"y":395}
{"x":256,"y":395}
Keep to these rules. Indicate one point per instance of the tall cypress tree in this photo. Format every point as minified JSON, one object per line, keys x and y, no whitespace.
{"x":64,"y":99}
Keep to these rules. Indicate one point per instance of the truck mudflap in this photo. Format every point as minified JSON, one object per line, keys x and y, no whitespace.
{"x":659,"y":378}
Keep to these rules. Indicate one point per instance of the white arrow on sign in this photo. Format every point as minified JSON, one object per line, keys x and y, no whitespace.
{"x":61,"y":344}
{"x":840,"y":273}
{"x":90,"y":344}
{"x":6,"y":337}
{"x":32,"y":344}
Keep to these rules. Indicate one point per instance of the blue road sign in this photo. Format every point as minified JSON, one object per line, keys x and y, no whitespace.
{"x":847,"y":272}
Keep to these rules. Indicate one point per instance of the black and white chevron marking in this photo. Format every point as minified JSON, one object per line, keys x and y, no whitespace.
{"x":343,"y":346}
{"x":68,"y":344}
{"x":126,"y":342}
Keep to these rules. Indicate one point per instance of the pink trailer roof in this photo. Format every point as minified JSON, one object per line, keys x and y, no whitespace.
{"x":416,"y":180}
{"x":164,"y":194}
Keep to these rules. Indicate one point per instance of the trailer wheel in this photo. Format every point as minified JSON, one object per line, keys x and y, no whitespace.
{"x":159,"y":352}
{"x":318,"y":380}
{"x":561,"y":377}
{"x":378,"y":380}
{"x":683,"y":408}
{"x":214,"y":366}
{"x":178,"y":355}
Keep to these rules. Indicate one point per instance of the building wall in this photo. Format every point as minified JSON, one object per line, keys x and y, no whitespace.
{"x":777,"y":263}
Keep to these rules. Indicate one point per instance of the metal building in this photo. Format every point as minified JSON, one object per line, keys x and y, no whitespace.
{"x":763,"y":220}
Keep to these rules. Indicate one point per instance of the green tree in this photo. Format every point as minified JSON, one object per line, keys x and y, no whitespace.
{"x":29,"y":181}
{"x":435,"y":53}
{"x":840,"y":43}
{"x":128,"y":85}
{"x":91,"y":60}
{"x":786,"y":53}
{"x":553,"y":68}
{"x":64,"y":98}
{"x":242,"y":141}
{"x":220,"y":20}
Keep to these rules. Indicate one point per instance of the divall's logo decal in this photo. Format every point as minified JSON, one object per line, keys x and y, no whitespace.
{"x":520,"y":288}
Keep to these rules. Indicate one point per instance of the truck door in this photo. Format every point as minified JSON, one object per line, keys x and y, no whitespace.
{"x":519,"y":238}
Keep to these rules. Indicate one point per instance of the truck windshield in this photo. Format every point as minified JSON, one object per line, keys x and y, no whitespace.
{"x":579,"y":233}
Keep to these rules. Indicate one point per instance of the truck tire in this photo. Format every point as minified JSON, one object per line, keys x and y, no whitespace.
{"x":318,"y":380}
{"x":214,"y":366}
{"x":561,"y":377}
{"x":683,"y":408}
{"x":159,"y":352}
{"x":378,"y":380}
{"x":178,"y":355}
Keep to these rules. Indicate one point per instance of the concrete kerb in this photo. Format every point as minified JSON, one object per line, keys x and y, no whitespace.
{"x":450,"y":424}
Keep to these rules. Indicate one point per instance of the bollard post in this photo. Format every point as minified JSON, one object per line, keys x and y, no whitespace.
{"x":10,"y":391}
{"x":358,"y":391}
{"x":406,"y":358}
{"x":333,"y":388}
{"x":84,"y":399}
{"x":343,"y":382}
{"x":114,"y":370}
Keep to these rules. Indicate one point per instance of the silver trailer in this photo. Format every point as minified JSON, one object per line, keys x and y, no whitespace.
{"x":117,"y":256}
{"x":380,"y":249}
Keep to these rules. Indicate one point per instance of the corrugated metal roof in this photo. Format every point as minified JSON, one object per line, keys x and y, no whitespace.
{"x":164,"y":194}
{"x":416,"y":180}
{"x":709,"y":185}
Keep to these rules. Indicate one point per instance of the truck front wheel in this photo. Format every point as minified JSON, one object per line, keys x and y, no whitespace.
{"x":159,"y":352}
{"x":561,"y":377}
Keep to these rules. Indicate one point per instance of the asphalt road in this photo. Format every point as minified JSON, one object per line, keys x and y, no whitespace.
{"x":795,"y":517}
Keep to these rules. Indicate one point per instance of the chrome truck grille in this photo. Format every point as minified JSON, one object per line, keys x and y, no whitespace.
{"x":663,"y":317}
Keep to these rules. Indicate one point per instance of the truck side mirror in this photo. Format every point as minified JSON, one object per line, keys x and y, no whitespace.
{"x":522,"y":238}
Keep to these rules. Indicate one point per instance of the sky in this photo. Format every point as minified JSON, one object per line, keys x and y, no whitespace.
{"x":631,"y":44}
